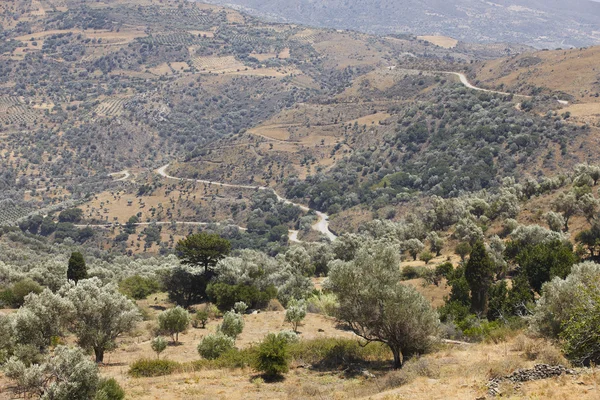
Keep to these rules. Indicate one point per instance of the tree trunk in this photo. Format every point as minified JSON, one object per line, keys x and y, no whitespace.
{"x":99,"y":355}
{"x":398,"y":359}
{"x":479,"y":301}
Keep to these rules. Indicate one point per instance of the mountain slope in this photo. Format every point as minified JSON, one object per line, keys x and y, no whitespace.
{"x":540,"y":23}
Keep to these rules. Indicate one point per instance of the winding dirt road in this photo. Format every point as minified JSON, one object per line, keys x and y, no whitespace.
{"x":125,"y":174}
{"x":322,"y":224}
{"x":465,"y":81}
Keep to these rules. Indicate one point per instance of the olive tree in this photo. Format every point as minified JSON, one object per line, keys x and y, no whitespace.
{"x":555,"y":221}
{"x":378,"y":307}
{"x":158,"y":344}
{"x":436,"y":243}
{"x":560,"y":297}
{"x":67,"y":374}
{"x":295,"y":313}
{"x":41,"y":317}
{"x":588,"y":206}
{"x":414,"y":247}
{"x":214,"y":345}
{"x":569,"y":309}
{"x":174,"y":321}
{"x":232,"y":325}
{"x":101,"y":314}
{"x":567,"y":205}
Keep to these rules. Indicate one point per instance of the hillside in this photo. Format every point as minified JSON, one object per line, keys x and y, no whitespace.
{"x":571,"y":74}
{"x":537,"y":23}
{"x":196,"y":203}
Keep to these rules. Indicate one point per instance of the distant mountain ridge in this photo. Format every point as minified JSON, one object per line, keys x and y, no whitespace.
{"x":538,"y":23}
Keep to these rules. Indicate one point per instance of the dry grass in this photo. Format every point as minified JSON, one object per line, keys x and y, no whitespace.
{"x":442,"y":41}
{"x":452,"y":372}
{"x":570,"y":71}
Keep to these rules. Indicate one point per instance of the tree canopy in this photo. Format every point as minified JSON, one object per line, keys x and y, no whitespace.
{"x":202,"y":249}
{"x":378,"y":307}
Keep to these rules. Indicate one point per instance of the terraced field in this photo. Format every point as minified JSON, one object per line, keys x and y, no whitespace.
{"x":10,"y":213}
{"x":170,"y":39}
{"x":217,"y":64}
{"x":111,"y":107}
{"x":13,"y":111}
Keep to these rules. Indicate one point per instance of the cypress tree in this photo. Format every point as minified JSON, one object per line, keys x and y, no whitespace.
{"x":77,"y":269}
{"x":479,"y":273}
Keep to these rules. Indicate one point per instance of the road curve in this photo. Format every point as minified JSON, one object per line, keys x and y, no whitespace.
{"x":465,"y":81}
{"x":322,"y":224}
{"x":125,"y":174}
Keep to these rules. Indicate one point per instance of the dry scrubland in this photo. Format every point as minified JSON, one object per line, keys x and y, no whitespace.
{"x":571,"y":72}
{"x":225,"y":97}
{"x":451,"y":371}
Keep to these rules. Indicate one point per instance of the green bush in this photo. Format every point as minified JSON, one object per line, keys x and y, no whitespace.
{"x":581,"y":341}
{"x":411,"y":272}
{"x":148,"y":368}
{"x":174,"y":321}
{"x":273,"y":358}
{"x":224,"y":296}
{"x":494,"y":331}
{"x":426,"y":256}
{"x":233,"y":324}
{"x":138,"y":287}
{"x":109,"y":389}
{"x":444,"y":270}
{"x":200,"y":319}
{"x":7,"y":298}
{"x":212,"y":347}
{"x":22,"y":288}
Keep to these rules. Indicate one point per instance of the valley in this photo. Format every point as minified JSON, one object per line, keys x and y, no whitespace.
{"x":215,"y":201}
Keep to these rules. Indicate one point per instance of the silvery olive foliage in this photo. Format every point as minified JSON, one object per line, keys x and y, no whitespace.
{"x":101,"y":314}
{"x":174,"y":321}
{"x":232,"y":325}
{"x":66,"y":374}
{"x":295,"y":313}
{"x":377,"y":306}
{"x":561,"y":296}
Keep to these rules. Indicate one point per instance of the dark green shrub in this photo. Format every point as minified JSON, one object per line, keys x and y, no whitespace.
{"x":224,"y":296}
{"x":148,"y":368}
{"x":138,"y":287}
{"x":444,"y":270}
{"x":411,"y":272}
{"x":109,"y":389}
{"x":273,"y":356}
{"x":22,"y":288}
{"x":542,"y":262}
{"x":7,"y":298}
{"x":200,"y":319}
